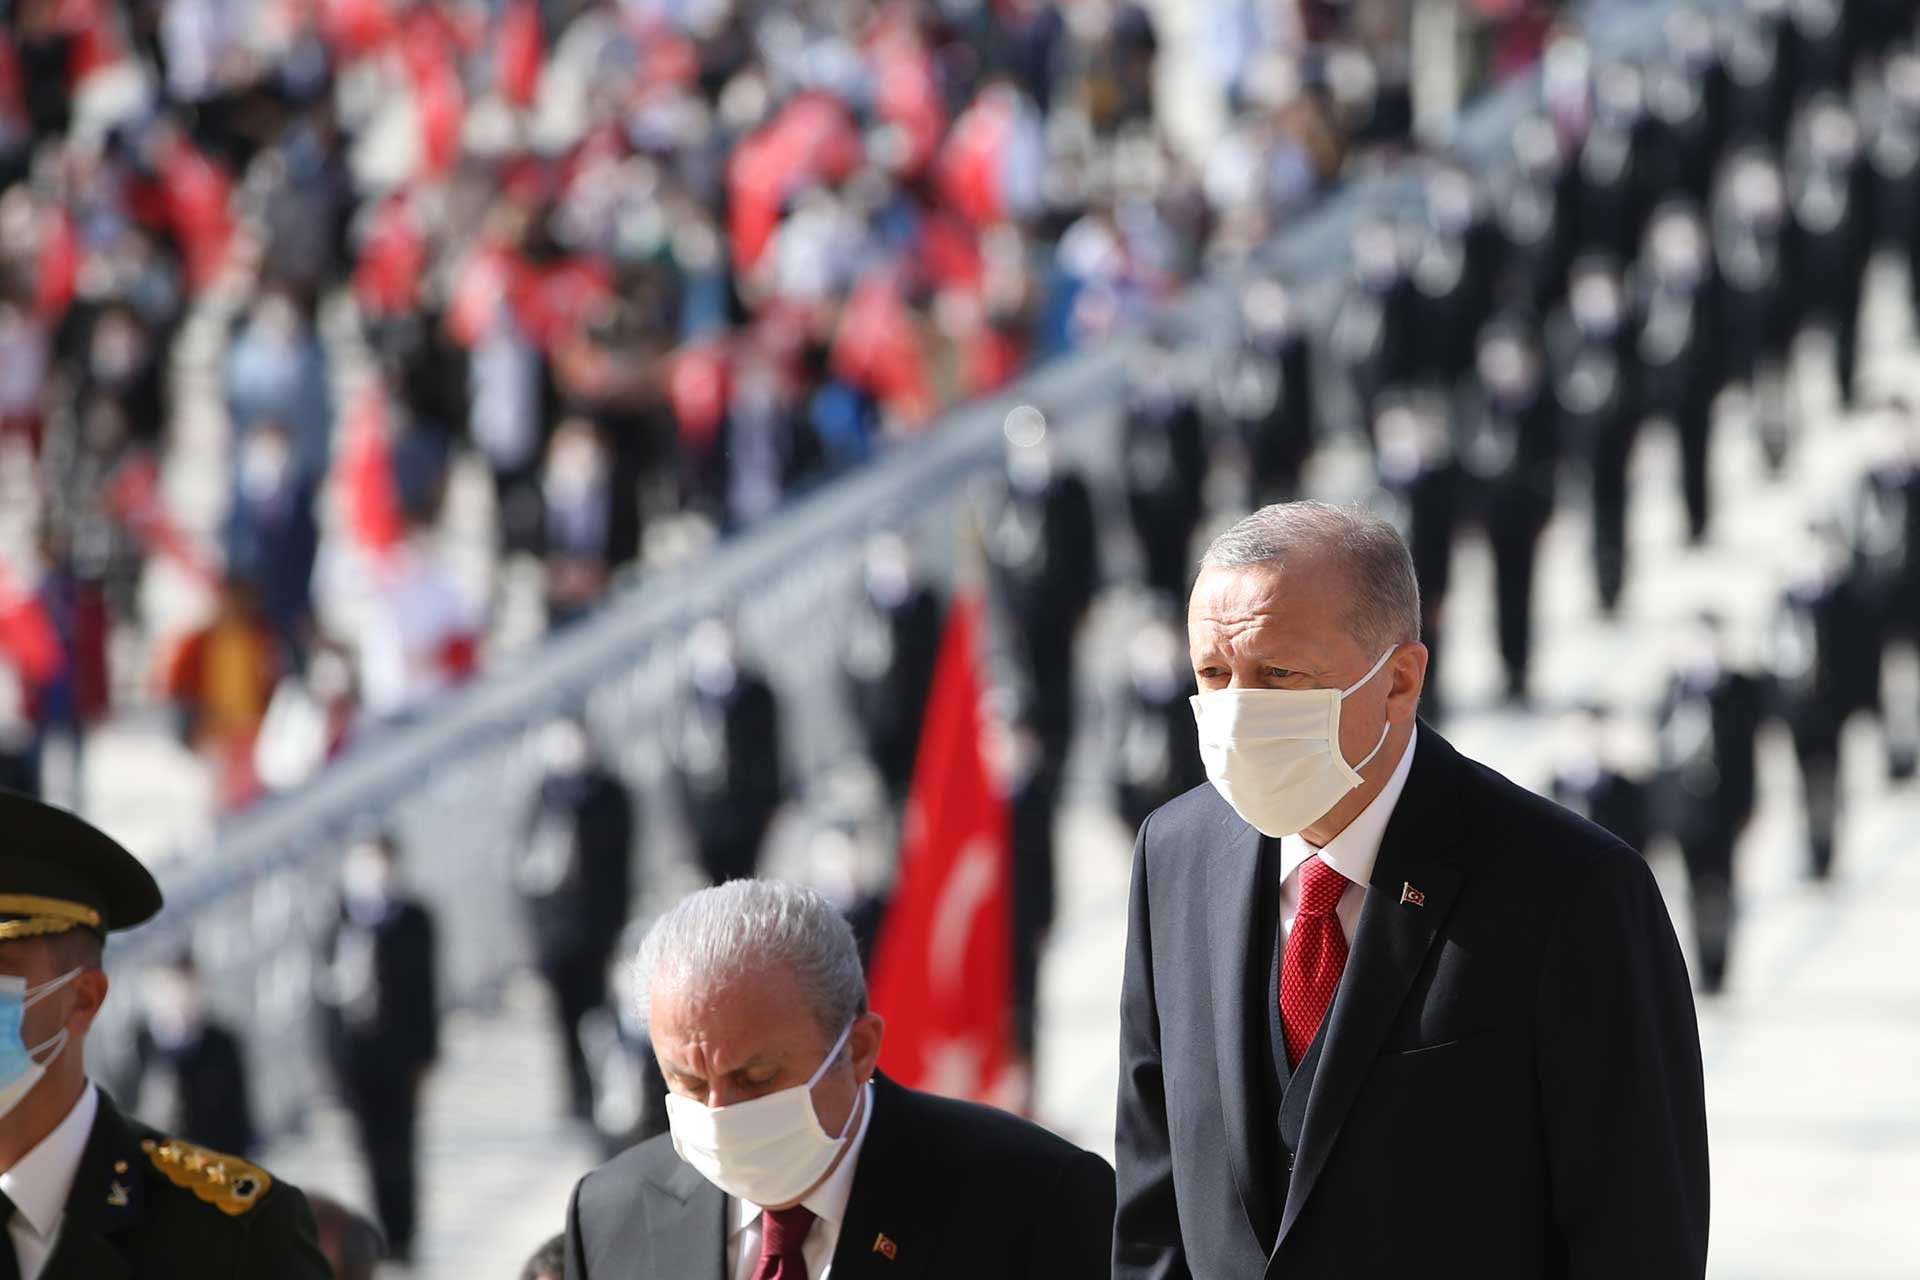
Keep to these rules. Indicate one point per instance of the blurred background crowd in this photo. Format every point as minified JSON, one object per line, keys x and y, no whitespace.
{"x":353,"y":351}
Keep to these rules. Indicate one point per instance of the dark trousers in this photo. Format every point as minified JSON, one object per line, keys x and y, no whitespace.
{"x":386,"y":1113}
{"x":1816,"y":743}
{"x":1695,"y":429}
{"x":1708,"y":855}
{"x":578,"y":980}
{"x":1610,"y":453}
{"x":1513,"y":558}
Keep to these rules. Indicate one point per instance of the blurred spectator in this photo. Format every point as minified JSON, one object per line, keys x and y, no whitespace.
{"x":573,"y":872}
{"x":380,"y":1013}
{"x":1590,"y":781}
{"x":273,"y":535}
{"x":277,"y":372}
{"x":191,"y":1076}
{"x":727,"y":761}
{"x":220,"y":680}
{"x":592,"y":521}
{"x":418,"y":634}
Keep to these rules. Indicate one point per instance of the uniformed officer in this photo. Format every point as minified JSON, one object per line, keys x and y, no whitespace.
{"x":1045,"y":561}
{"x":87,"y":1193}
{"x":1507,"y":452}
{"x":1613,"y":205}
{"x":1594,"y":384}
{"x":1450,"y":277}
{"x":1166,"y":466}
{"x":1372,"y":337}
{"x":728,"y":758}
{"x":1156,"y":752}
{"x":1420,"y":478}
{"x":1678,"y":346}
{"x":1829,"y":189}
{"x":1533,"y":219}
{"x":889,"y":658}
{"x":1895,"y":159}
{"x":1590,"y":781}
{"x":1709,"y":722}
{"x":1265,"y":393}
{"x":1751,"y":242}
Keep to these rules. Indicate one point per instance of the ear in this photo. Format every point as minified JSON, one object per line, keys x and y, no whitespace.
{"x":1409,"y":670}
{"x":89,"y":993}
{"x":863,"y":1044}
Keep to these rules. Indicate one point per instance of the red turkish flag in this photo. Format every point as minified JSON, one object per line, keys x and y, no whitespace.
{"x":942,"y":973}
{"x":369,"y":495}
{"x":27,"y":635}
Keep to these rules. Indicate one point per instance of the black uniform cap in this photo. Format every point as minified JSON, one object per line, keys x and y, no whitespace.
{"x":60,"y":872}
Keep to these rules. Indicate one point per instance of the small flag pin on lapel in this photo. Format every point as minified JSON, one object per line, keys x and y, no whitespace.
{"x":885,"y":1247}
{"x":1411,"y":895}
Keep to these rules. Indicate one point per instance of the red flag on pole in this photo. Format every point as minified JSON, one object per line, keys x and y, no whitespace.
{"x":942,"y":973}
{"x":369,"y":493}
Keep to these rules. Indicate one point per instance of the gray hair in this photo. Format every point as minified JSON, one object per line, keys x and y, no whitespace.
{"x":745,"y":927}
{"x":1385,"y":609}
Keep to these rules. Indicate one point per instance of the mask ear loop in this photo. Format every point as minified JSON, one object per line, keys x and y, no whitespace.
{"x":1353,"y":770}
{"x":47,"y":988}
{"x":833,"y":1056}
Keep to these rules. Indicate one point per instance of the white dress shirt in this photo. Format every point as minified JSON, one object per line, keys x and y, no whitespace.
{"x":39,"y":1182}
{"x":828,"y":1203}
{"x":1351,"y":853}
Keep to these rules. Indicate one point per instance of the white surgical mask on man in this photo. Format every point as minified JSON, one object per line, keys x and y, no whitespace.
{"x":769,"y":1151}
{"x":1274,"y":754}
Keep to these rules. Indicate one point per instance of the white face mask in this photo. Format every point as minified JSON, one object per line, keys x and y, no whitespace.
{"x":770,"y":1151}
{"x":1274,"y":754}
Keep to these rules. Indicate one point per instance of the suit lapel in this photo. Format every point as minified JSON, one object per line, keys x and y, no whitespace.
{"x":1389,"y":948}
{"x":687,"y":1225}
{"x":108,"y":1198}
{"x":884,"y":1236}
{"x":1240,"y":1025}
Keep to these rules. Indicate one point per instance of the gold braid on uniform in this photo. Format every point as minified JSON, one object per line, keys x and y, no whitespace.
{"x":42,"y":916}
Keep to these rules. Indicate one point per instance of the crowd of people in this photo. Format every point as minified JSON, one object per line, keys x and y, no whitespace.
{"x":643,"y":262}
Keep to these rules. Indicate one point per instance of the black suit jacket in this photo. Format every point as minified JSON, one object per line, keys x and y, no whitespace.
{"x":1508,"y":1082}
{"x":127,"y":1219}
{"x":211,"y":1078}
{"x":961,"y":1190}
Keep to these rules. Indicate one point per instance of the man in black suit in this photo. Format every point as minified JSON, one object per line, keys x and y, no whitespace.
{"x":381,"y":1022}
{"x":1501,"y":1077}
{"x":191,"y":1075}
{"x":789,"y":1155}
{"x":573,"y":872}
{"x":728,"y":766}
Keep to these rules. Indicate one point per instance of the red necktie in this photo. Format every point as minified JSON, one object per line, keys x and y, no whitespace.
{"x":782,"y":1232}
{"x":1316,"y":953}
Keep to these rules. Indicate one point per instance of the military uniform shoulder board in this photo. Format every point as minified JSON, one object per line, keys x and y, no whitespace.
{"x":228,"y":1183}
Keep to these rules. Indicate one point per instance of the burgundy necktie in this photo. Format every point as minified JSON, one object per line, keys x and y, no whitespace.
{"x":782,"y":1233}
{"x":1316,"y":954}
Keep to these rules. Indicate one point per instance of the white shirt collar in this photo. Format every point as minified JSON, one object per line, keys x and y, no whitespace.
{"x":1353,"y":851}
{"x":39,"y":1182}
{"x":828,"y":1202}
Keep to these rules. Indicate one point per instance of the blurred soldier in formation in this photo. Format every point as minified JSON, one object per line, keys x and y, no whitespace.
{"x":889,"y":660}
{"x":1709,"y":722}
{"x":1678,"y":347}
{"x":1450,"y":277}
{"x":1829,"y":190}
{"x":1166,"y":465}
{"x":1685,"y":99}
{"x":573,"y":874}
{"x":1157,"y":755}
{"x":1761,"y":88}
{"x":1045,"y":565}
{"x":1032,"y":779}
{"x":1826,"y":665}
{"x":1420,"y":475}
{"x":1612,"y":208}
{"x":1507,"y":454}
{"x":1373,"y":337}
{"x":1266,"y":393}
{"x":1594,"y":386}
{"x":1821,"y":45}
{"x":1751,"y":240}
{"x":191,"y":1073}
{"x":1587,"y":780}
{"x":1889,"y":563}
{"x":1895,"y":159}
{"x":381,"y":1024}
{"x":728,"y":762}
{"x":1533,"y":219}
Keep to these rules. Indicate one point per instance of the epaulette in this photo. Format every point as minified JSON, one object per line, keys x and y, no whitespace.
{"x":228,"y":1183}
